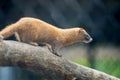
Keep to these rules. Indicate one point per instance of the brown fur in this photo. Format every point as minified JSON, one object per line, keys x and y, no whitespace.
{"x":35,"y":31}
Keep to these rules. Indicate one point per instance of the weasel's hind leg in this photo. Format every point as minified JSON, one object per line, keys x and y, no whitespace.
{"x":31,"y":43}
{"x":25,"y":41}
{"x":34,"y":43}
{"x":17,"y":37}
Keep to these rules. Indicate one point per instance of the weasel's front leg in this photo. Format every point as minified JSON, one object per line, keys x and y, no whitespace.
{"x":57,"y":53}
{"x":54,"y":49}
{"x":49,"y":47}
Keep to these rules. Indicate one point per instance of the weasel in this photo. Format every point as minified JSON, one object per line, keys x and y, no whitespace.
{"x":34,"y":31}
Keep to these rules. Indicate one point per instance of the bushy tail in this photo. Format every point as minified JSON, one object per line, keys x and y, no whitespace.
{"x":8,"y":31}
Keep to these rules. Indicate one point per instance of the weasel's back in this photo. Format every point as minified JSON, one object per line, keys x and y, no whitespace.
{"x":36,"y":22}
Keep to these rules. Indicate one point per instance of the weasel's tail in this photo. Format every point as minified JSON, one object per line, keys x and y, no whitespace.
{"x":8,"y":31}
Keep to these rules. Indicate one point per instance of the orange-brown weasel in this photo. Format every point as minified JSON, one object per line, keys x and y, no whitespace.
{"x":35,"y":31}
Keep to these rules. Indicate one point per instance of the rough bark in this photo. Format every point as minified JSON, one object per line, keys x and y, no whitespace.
{"x":40,"y":61}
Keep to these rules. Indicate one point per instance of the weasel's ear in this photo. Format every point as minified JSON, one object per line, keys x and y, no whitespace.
{"x":81,"y":30}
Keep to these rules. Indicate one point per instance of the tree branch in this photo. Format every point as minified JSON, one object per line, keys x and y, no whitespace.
{"x":40,"y":61}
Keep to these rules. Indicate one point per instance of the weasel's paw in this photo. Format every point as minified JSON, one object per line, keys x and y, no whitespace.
{"x":58,"y":54}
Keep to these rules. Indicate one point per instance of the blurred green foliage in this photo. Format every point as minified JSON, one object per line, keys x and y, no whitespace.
{"x":108,"y":65}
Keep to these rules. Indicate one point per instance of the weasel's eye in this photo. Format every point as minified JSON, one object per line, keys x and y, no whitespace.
{"x":87,"y":37}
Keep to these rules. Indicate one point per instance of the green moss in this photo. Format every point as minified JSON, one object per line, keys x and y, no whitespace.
{"x":81,"y":61}
{"x":109,"y":66}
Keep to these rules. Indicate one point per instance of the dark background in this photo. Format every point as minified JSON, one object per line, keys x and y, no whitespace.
{"x":100,"y":18}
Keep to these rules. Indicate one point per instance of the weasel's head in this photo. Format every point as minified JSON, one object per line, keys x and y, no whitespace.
{"x":84,"y":36}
